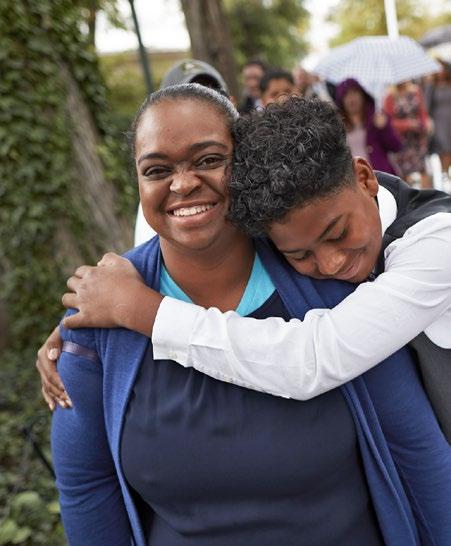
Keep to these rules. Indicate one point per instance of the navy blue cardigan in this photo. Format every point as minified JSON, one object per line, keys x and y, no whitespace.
{"x":407,"y":461}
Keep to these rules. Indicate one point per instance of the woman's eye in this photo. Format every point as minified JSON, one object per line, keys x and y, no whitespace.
{"x":210,"y":161}
{"x":156,"y":172}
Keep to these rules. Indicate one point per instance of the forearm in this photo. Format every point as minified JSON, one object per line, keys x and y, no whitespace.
{"x":301,"y":359}
{"x":139,"y":314}
{"x":296,"y":359}
{"x":389,"y":138}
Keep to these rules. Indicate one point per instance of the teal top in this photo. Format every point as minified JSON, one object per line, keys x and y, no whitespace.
{"x":258,"y":289}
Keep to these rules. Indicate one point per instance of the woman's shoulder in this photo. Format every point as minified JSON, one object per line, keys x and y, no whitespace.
{"x":145,"y":258}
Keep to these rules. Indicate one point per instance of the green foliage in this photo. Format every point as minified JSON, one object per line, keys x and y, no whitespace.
{"x":272,"y":31}
{"x":39,"y":42}
{"x":125,"y":81}
{"x":357,"y":18}
{"x":29,"y":510}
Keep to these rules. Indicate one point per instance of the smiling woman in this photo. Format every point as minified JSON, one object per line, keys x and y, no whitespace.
{"x":183,"y":155}
{"x":161,"y":454}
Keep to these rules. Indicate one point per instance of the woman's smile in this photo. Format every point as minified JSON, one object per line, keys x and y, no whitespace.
{"x":196,"y":215}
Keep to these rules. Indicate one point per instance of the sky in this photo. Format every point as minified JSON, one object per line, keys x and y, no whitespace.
{"x":162,"y":26}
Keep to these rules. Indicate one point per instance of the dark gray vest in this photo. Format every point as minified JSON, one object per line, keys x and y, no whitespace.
{"x":434,"y":361}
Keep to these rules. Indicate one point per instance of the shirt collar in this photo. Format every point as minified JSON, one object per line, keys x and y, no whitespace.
{"x":387,"y":207}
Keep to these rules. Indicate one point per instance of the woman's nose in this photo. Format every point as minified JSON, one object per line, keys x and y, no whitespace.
{"x":184,"y":182}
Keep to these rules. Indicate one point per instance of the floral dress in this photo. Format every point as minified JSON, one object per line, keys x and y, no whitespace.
{"x":409,"y":117}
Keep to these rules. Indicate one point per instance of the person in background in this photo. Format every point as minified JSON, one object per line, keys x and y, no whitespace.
{"x":186,"y":71}
{"x":405,"y":105}
{"x":195,"y":71}
{"x":252,"y":73}
{"x":438,"y":101}
{"x":369,"y":134}
{"x":310,"y":85}
{"x":275,"y":84}
{"x":303,"y":82}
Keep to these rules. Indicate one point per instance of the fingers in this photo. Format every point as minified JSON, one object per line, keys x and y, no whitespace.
{"x":83,"y":270}
{"x":48,"y":399}
{"x":70,"y":300}
{"x":75,"y":321}
{"x":54,"y":341}
{"x":110,"y":258}
{"x":52,"y":387}
{"x":73,"y":283}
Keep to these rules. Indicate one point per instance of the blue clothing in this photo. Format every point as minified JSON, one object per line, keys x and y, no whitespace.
{"x":259,"y":288}
{"x":217,"y":465}
{"x":96,"y":503}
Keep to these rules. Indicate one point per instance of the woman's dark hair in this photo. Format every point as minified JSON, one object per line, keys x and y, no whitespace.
{"x":368,"y":102}
{"x":255,"y":62}
{"x":285,"y":156}
{"x":185,"y":91}
{"x":275,"y":74}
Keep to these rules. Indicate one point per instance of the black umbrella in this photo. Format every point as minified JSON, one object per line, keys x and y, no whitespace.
{"x":436,"y":36}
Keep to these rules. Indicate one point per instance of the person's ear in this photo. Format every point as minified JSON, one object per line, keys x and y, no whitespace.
{"x":365,"y":176}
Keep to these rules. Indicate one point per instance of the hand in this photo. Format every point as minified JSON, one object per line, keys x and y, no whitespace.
{"x":52,"y":388}
{"x":380,"y":120}
{"x":104,"y":294}
{"x":415,"y":124}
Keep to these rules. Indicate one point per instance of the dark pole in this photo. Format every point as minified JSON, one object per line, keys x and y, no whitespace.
{"x":142,"y":51}
{"x":28,"y":433}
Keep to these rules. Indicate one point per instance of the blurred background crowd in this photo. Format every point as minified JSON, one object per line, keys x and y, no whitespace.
{"x":72,"y":75}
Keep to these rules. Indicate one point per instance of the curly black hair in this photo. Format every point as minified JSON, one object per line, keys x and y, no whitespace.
{"x":285,"y":156}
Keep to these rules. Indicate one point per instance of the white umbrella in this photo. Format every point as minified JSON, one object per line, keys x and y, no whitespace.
{"x":441,"y":52}
{"x":436,"y":36}
{"x":377,"y":61}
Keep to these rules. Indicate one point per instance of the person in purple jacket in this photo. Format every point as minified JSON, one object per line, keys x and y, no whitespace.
{"x":369,"y":134}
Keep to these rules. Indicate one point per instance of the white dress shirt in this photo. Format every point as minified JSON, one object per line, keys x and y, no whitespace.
{"x":302,"y":359}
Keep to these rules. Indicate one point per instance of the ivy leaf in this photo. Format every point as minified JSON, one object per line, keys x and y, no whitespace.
{"x":8,"y":530}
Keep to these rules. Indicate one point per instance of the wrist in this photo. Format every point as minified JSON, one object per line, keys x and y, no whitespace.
{"x":142,"y":309}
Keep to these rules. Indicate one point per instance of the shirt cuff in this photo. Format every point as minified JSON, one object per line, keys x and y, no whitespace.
{"x":173,"y":329}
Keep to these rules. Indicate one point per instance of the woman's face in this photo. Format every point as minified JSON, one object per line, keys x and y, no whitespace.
{"x":183,"y":156}
{"x":353,"y":101}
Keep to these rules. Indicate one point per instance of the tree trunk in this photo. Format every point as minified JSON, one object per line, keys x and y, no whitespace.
{"x":92,"y":20}
{"x":210,"y":37}
{"x":96,"y":194}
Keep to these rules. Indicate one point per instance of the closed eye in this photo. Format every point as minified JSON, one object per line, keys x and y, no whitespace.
{"x":303,"y":257}
{"x":341,"y":236}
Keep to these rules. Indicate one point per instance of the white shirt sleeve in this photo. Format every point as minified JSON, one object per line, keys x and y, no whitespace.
{"x":302,"y":359}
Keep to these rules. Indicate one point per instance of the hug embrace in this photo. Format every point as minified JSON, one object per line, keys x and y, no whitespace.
{"x":284,"y":265}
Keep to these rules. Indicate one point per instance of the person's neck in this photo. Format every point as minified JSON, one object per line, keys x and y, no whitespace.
{"x":356,"y":121}
{"x":215,"y":276}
